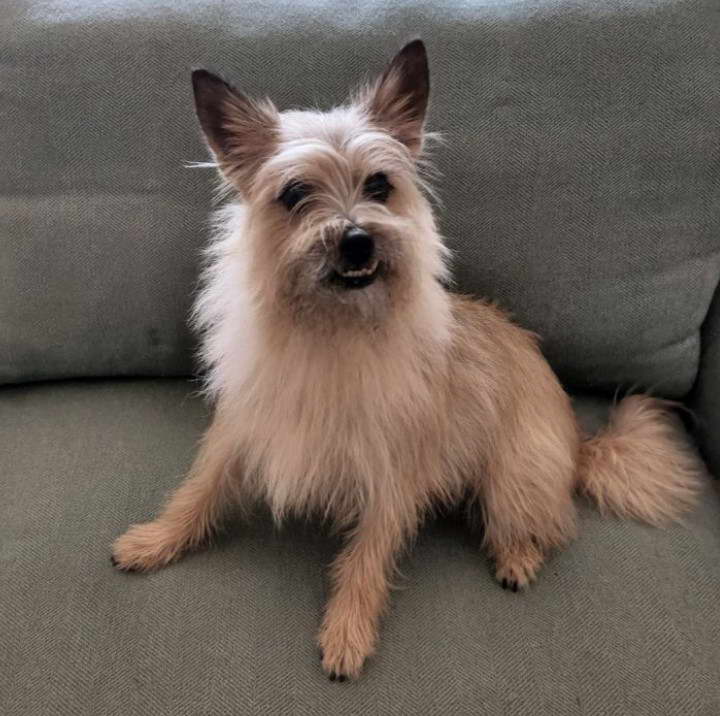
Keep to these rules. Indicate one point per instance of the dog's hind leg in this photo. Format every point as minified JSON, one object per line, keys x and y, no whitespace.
{"x":528,"y":508}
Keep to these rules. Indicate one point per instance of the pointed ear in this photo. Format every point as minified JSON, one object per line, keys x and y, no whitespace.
{"x":398,"y":101}
{"x":240,"y":132}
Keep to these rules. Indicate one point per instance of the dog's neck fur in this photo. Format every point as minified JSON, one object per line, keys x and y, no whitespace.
{"x":244,"y":335}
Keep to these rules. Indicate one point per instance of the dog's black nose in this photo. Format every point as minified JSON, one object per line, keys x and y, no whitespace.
{"x":356,"y":247}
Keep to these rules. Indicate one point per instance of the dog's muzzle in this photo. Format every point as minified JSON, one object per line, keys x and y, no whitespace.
{"x":358,"y":265}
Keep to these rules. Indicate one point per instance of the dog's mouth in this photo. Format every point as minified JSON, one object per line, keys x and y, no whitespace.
{"x":356,"y":278}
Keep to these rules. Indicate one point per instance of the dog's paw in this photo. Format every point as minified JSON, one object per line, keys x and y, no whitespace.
{"x":342,"y":656}
{"x":514,"y":576}
{"x":517,"y":568}
{"x":146,"y":547}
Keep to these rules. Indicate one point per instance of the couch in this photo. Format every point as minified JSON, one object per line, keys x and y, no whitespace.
{"x":580,"y":188}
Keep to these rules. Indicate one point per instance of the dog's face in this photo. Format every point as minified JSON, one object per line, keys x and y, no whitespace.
{"x":337,"y":218}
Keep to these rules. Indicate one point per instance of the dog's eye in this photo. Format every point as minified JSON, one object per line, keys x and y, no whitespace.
{"x":293,"y":194}
{"x":377,"y":187}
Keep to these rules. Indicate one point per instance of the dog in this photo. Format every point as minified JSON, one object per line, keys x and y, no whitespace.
{"x":349,"y":383}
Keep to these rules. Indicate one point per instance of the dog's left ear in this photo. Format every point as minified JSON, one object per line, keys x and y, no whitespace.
{"x":240,"y":132}
{"x":398,"y":101}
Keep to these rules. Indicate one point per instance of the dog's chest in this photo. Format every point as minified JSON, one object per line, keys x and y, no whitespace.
{"x":324,"y":436}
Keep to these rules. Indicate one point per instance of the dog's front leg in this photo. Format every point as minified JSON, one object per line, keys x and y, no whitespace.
{"x":360,"y":588}
{"x":192,"y":511}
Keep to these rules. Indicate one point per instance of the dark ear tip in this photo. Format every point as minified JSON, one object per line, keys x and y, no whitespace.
{"x":415,"y":44}
{"x":415,"y":47}
{"x":199,"y":76}
{"x":202,"y":78}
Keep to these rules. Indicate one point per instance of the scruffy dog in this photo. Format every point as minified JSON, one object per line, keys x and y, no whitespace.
{"x":349,"y":382}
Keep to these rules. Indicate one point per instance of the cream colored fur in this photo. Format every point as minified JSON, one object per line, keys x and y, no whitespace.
{"x":372,"y":406}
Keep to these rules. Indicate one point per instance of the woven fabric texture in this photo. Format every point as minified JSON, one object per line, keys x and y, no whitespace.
{"x":625,"y":621}
{"x":705,"y":398}
{"x":579,"y":180}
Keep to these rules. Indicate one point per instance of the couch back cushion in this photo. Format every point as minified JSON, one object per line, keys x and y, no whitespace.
{"x":579,"y":180}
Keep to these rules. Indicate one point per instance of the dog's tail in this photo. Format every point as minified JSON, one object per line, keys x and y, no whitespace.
{"x":638,"y":465}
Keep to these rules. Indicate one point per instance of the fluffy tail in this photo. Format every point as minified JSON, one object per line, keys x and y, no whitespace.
{"x":638,"y":466}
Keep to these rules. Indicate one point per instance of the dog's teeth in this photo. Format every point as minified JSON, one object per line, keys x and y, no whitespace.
{"x":360,"y":272}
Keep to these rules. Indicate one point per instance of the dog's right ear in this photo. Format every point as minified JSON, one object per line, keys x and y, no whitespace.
{"x":240,"y":132}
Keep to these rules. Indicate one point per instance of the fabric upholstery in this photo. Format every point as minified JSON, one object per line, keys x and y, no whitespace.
{"x":625,"y":621}
{"x":579,"y":180}
{"x":705,"y":399}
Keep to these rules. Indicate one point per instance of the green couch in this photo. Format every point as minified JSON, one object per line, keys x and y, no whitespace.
{"x":580,"y":186}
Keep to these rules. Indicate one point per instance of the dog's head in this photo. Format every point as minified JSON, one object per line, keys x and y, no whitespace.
{"x":336,"y":211}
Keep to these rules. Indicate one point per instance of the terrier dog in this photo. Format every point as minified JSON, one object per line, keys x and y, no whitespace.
{"x":347,"y":381}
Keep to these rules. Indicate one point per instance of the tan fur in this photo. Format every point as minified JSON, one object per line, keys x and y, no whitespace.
{"x":195,"y":508}
{"x":638,"y":466}
{"x":372,"y":406}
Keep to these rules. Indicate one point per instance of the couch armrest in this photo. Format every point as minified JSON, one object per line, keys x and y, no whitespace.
{"x":705,"y":398}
